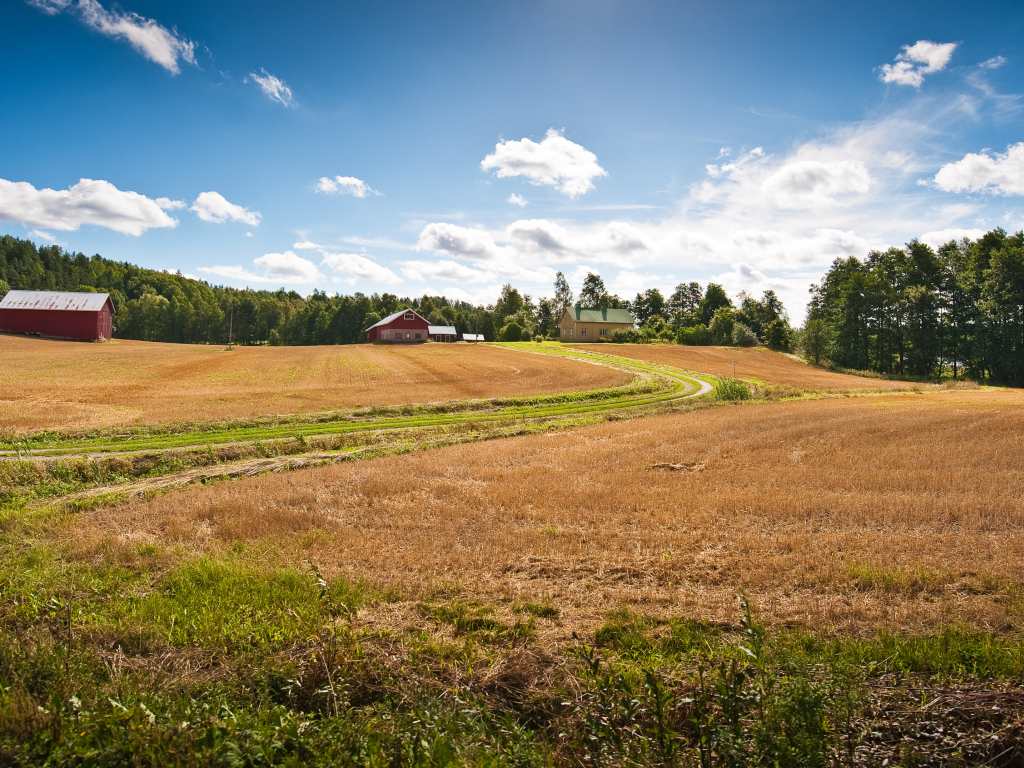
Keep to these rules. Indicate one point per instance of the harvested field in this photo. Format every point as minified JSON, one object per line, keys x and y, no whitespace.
{"x":47,"y":384}
{"x":752,"y":363}
{"x":851,"y":513}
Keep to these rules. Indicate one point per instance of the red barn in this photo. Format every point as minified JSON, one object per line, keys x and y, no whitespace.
{"x":405,"y":326}
{"x":57,"y":314}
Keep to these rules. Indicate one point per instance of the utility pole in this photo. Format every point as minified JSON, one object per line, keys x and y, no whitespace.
{"x":231,"y":325}
{"x":734,"y":369}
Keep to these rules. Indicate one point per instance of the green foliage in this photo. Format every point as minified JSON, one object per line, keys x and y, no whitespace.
{"x":696,"y":336}
{"x":912,"y":311}
{"x":742,"y":336}
{"x":721,"y":325}
{"x":728,"y":388}
{"x":511,"y":332}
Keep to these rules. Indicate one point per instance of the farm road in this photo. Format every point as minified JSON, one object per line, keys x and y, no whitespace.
{"x":653,"y":384}
{"x":224,"y":451}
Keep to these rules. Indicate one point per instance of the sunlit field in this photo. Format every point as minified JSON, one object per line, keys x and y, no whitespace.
{"x":851,"y":513}
{"x":47,"y":384}
{"x":751,"y":363}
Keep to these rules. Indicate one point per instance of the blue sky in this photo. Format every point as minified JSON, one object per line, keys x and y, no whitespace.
{"x":453,"y":147}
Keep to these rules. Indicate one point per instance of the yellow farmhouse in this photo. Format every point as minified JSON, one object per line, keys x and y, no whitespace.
{"x":581,"y":324}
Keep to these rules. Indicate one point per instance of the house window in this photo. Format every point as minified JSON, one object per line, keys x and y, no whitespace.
{"x":583,"y":331}
{"x":410,"y":316}
{"x":408,"y":335}
{"x":604,"y":331}
{"x":417,"y":335}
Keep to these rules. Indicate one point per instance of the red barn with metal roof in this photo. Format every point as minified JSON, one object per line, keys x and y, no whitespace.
{"x":405,"y":327}
{"x":58,"y":314}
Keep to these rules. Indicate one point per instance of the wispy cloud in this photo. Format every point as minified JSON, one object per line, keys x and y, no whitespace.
{"x":147,"y":36}
{"x":273,"y":87}
{"x":344,"y":185}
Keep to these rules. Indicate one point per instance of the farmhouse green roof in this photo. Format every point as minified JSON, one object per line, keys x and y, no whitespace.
{"x":600,"y":315}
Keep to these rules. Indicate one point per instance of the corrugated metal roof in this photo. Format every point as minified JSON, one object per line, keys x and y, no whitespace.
{"x":472,"y":337}
{"x":434,"y":330}
{"x":598,"y":315}
{"x":69,"y":302}
{"x":389,"y":318}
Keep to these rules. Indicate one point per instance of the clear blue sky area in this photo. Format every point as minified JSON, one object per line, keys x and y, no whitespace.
{"x":453,"y":147}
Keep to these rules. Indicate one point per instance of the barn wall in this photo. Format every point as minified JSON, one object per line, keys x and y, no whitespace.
{"x":417,"y":324}
{"x":57,"y":323}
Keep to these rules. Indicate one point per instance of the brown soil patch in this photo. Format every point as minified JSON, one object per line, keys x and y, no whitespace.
{"x":755,"y":363}
{"x":46,"y":384}
{"x":903,"y":511}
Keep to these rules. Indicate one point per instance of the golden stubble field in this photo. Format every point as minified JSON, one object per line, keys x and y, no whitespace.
{"x":47,"y":384}
{"x":752,"y":363}
{"x":903,"y":511}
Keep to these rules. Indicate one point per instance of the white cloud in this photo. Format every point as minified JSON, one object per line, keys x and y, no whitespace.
{"x":89,"y":201}
{"x":154,"y":41}
{"x":992,"y":174}
{"x":279,"y":268}
{"x":169,"y":205}
{"x":344,"y":185}
{"x":916,"y":61}
{"x":213,"y":207}
{"x":993,"y":63}
{"x":249,"y":234}
{"x":815,"y":184}
{"x":943,"y":236}
{"x":449,"y":271}
{"x":518,"y":200}
{"x":353,"y":266}
{"x":554,"y":162}
{"x":42,"y":235}
{"x":273,"y":87}
{"x":306,"y":245}
{"x":460,"y":242}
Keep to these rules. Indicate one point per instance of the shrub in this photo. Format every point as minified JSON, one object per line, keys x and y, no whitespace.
{"x":721,"y":326}
{"x":729,"y":388}
{"x":696,"y":336}
{"x":742,"y":336}
{"x":511,"y":332}
{"x":626,"y":336}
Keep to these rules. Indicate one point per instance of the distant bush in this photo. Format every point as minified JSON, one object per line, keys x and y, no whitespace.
{"x":742,"y":336}
{"x":626,"y":336}
{"x":512,"y":332}
{"x":731,"y":389}
{"x":695,"y":336}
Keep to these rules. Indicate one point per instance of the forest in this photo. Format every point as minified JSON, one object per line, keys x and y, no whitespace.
{"x":958,"y":311}
{"x":159,"y":306}
{"x":910,"y":311}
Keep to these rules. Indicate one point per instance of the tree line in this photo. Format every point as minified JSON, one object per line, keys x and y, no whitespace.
{"x":958,"y":311}
{"x":151,"y":305}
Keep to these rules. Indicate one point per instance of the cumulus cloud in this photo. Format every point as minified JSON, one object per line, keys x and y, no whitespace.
{"x":460,"y":242}
{"x":277,"y":268}
{"x":344,"y":185}
{"x":991,"y":174}
{"x":518,"y":200}
{"x":916,"y":61}
{"x":815,"y":184}
{"x":273,"y":87}
{"x":89,"y":201}
{"x":353,"y":266}
{"x":169,"y":205}
{"x":150,"y":38}
{"x":213,"y":207}
{"x":554,"y":162}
